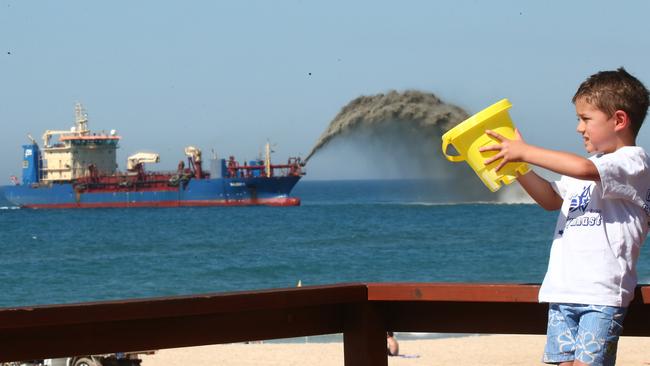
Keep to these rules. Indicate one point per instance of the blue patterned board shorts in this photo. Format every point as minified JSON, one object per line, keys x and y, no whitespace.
{"x":587,"y":333}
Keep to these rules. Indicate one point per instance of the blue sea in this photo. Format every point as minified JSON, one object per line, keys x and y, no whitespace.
{"x":345,"y":231}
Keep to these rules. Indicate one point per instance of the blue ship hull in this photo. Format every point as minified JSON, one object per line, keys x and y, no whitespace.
{"x":272,"y":191}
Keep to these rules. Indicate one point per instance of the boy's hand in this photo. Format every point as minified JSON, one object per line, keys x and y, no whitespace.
{"x":508,"y":150}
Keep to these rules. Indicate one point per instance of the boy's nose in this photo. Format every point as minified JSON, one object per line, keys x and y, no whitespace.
{"x":580,"y":128}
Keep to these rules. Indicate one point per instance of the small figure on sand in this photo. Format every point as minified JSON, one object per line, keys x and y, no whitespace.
{"x":392,"y":347}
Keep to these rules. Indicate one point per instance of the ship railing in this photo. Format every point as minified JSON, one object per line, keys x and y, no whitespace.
{"x":362,"y":312}
{"x":277,"y":170}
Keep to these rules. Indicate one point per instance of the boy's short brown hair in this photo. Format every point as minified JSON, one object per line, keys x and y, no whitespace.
{"x":616,"y":90}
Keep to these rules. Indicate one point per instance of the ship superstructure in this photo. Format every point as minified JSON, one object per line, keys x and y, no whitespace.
{"x":78,"y":168}
{"x":77,"y":150}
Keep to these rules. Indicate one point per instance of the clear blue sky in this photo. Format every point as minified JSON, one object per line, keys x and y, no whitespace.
{"x":228,"y":75}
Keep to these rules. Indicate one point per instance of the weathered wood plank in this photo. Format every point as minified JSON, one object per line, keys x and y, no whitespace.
{"x":106,"y":327}
{"x":143,"y":334}
{"x":481,"y":308}
{"x":452,"y":292}
{"x":154,"y":308}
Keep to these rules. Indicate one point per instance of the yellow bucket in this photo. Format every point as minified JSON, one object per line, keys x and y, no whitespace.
{"x":468,"y":136}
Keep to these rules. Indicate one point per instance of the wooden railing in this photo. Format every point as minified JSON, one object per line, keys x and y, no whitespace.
{"x":362,"y":312}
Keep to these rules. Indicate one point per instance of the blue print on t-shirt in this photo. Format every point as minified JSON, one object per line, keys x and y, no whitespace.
{"x":581,"y":201}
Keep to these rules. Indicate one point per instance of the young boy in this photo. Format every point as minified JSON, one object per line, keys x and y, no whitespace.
{"x":605,"y":208}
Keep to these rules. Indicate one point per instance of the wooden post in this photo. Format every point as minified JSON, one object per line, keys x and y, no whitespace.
{"x":364,"y":336}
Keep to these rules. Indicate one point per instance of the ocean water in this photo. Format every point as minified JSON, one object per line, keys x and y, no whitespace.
{"x":345,"y":231}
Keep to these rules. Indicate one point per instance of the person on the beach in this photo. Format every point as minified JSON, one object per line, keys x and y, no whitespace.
{"x":605,"y":208}
{"x":392,"y":347}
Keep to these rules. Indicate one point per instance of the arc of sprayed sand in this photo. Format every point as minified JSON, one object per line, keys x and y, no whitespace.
{"x":422,"y":109}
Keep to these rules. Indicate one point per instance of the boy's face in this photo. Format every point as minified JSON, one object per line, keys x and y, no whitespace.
{"x":596,"y":128}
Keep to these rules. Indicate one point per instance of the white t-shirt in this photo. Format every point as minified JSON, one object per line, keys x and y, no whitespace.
{"x":599,"y":232}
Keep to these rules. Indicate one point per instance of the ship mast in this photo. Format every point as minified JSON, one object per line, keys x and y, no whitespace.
{"x":81,"y":119}
{"x":267,"y":160}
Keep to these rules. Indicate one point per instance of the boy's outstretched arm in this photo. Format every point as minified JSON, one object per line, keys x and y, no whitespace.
{"x":541,"y":191}
{"x":517,"y":150}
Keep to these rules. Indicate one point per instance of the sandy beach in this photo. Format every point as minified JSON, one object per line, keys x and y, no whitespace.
{"x":512,"y":350}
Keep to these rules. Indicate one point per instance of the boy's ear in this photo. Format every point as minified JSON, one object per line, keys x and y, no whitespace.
{"x":621,"y":120}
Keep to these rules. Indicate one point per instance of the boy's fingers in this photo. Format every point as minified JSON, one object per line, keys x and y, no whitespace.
{"x":490,"y":148}
{"x":500,"y":166}
{"x":495,"y":135}
{"x":493,"y":159}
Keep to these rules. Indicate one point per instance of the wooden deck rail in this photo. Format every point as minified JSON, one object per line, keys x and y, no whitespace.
{"x":362,"y":312}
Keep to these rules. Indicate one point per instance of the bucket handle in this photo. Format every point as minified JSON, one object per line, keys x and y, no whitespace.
{"x":454,"y":158}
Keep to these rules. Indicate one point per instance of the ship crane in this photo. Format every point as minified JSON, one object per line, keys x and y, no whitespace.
{"x":48,"y":135}
{"x":138,"y":159}
{"x":194,"y":159}
{"x":29,"y":136}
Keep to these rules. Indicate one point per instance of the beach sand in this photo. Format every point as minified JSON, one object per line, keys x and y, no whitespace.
{"x":471,"y":350}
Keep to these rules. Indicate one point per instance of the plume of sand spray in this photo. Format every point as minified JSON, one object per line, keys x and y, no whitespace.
{"x":402,"y":131}
{"x":410,"y":109}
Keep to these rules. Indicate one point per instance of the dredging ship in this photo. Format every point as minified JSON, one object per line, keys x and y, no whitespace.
{"x":78,"y":168}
